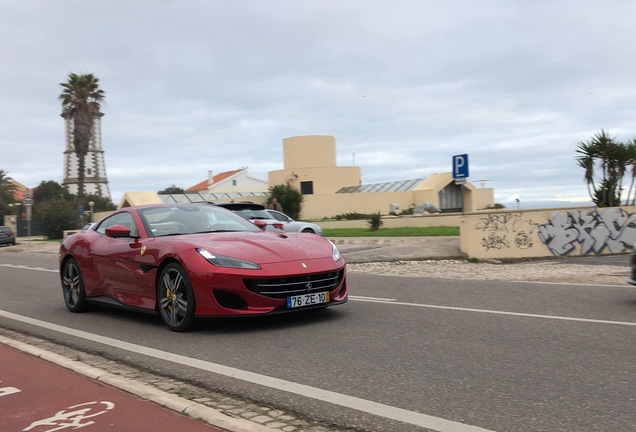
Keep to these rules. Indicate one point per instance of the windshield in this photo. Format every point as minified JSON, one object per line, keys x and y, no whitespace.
{"x":194,"y":219}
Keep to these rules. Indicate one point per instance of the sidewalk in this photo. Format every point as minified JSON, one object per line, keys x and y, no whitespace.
{"x":39,"y":395}
{"x":354,"y":249}
{"x":382,"y":249}
{"x":42,"y":389}
{"x":358,"y":250}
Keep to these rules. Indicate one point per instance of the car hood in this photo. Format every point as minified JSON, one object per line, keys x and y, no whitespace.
{"x":263,"y":247}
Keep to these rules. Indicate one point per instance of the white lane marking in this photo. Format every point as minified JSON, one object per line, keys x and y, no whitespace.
{"x":587,"y":284}
{"x":371,"y":298}
{"x":495,"y":312}
{"x":23,"y":267}
{"x":375,"y":408}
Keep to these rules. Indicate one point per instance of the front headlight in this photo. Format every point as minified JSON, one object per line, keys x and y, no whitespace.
{"x":335,"y":252}
{"x":223,"y":261}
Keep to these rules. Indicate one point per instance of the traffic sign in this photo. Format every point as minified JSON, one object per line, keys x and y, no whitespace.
{"x":28,"y":193}
{"x":27,"y":202}
{"x":460,"y":166}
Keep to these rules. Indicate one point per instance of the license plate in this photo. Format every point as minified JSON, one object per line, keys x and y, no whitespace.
{"x":307,"y":299}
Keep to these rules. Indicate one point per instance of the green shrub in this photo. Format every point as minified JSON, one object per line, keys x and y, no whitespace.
{"x":353,"y":216}
{"x":375,"y":221}
{"x":290,"y":199}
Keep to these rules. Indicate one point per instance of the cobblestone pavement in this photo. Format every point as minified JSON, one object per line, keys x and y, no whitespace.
{"x":540,"y":271}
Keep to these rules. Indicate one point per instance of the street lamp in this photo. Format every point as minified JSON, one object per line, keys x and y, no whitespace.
{"x":91,"y":204}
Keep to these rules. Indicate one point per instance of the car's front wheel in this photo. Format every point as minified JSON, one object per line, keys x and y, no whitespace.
{"x":73,"y":287}
{"x":176,"y":298}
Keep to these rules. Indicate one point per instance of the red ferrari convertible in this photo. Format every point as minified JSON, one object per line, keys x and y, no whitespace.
{"x":188,"y":261}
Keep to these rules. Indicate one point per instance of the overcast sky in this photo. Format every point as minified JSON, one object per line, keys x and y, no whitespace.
{"x":404,"y":85}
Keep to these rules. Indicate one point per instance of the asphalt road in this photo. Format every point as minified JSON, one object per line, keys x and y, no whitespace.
{"x":488,"y":354}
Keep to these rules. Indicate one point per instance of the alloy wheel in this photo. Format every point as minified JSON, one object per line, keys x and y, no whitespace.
{"x":176,"y":301}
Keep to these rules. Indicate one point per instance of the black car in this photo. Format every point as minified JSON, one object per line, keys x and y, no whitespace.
{"x":7,"y":236}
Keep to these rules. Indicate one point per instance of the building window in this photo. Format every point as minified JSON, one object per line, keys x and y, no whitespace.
{"x":88,"y":171}
{"x":233,"y":182}
{"x":307,"y":188}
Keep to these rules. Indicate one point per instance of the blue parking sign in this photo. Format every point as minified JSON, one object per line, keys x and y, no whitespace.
{"x":460,"y":166}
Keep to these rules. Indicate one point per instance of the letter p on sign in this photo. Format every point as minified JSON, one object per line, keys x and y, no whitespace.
{"x":460,"y":166}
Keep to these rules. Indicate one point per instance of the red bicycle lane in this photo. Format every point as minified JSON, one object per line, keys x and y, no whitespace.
{"x":39,"y":396}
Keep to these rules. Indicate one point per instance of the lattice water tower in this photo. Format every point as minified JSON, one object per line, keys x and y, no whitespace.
{"x":95,"y":179}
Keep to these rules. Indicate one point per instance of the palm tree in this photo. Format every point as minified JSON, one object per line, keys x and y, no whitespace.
{"x":81,"y":100}
{"x":613,"y":159}
{"x":7,"y":189}
{"x":631,"y":151}
{"x":586,"y":161}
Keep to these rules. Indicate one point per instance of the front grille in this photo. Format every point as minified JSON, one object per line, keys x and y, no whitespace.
{"x":282,"y":287}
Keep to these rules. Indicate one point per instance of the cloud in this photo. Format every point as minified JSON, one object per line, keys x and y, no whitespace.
{"x":218,"y":85}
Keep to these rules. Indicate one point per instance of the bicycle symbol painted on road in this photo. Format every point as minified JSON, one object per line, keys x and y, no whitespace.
{"x":73,"y":416}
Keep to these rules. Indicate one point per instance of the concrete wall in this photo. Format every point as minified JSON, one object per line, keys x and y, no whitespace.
{"x":330,"y":205}
{"x":529,"y":234}
{"x":432,"y":220}
{"x":548,"y":233}
{"x":321,"y":206}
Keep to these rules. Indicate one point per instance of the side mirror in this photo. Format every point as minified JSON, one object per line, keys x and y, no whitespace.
{"x":261,"y":224}
{"x":117,"y":231}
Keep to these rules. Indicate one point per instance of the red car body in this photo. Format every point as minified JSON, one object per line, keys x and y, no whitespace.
{"x":131,"y":260}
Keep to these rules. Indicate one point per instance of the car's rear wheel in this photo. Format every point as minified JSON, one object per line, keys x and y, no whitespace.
{"x":73,"y":287}
{"x":308,"y":230}
{"x":176,"y":298}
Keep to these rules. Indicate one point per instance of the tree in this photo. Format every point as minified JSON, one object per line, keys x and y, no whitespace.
{"x":54,"y":204}
{"x":289,"y":198}
{"x":100,"y":204}
{"x":631,"y":154}
{"x":81,"y":100}
{"x":50,"y":190}
{"x":55,"y":216}
{"x":612,"y":158}
{"x":172,"y":189}
{"x":7,"y":189}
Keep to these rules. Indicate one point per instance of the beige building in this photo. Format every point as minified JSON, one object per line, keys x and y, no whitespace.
{"x":329,"y":190}
{"x":309,"y":165}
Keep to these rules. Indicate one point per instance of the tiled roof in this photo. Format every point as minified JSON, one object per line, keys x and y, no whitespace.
{"x":217,"y":178}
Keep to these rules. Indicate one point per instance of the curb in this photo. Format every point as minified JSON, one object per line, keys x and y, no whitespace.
{"x":170,"y":401}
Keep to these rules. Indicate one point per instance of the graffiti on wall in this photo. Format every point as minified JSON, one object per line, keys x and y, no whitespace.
{"x":612,"y":229}
{"x":502,"y":231}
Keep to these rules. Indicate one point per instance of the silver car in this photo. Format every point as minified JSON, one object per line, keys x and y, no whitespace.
{"x":290,"y":225}
{"x":253,"y":212}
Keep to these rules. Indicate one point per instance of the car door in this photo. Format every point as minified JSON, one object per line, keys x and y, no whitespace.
{"x":284,"y":219}
{"x":122,"y":265}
